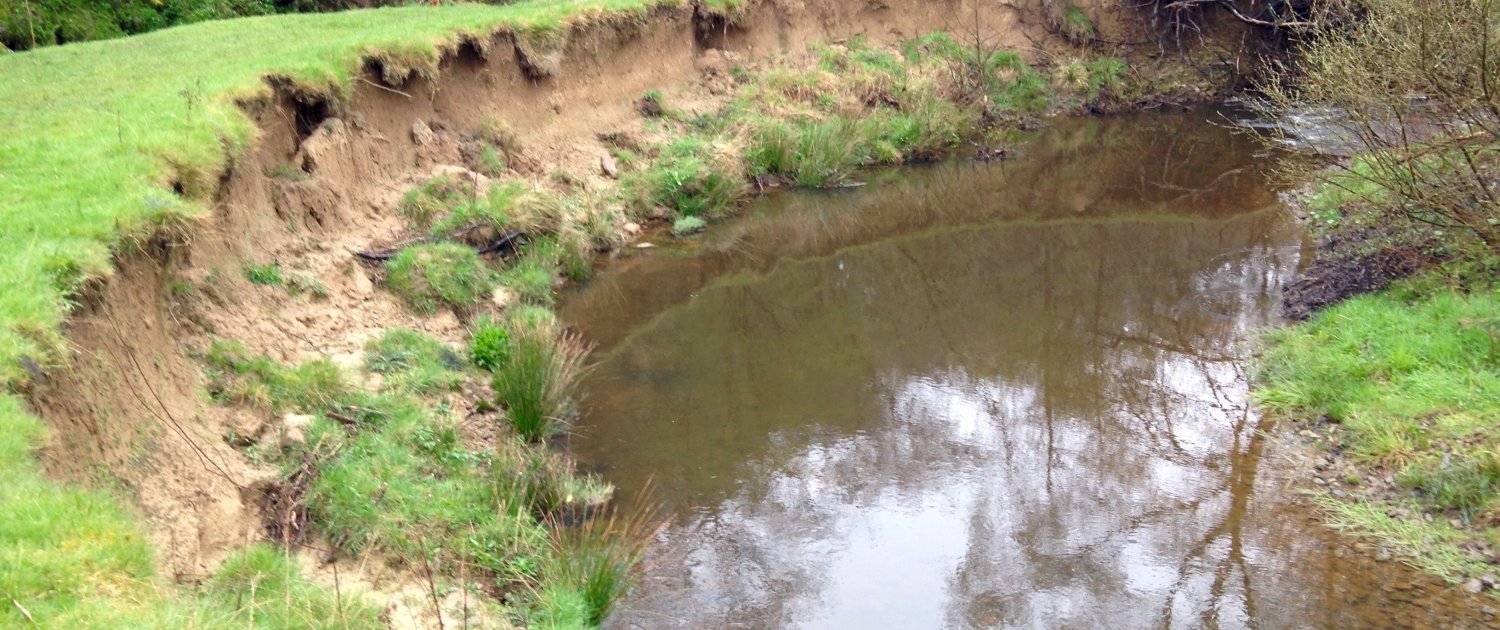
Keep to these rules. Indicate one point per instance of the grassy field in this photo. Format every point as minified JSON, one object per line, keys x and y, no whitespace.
{"x":92,"y":136}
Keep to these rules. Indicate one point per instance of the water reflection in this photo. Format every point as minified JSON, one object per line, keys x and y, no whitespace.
{"x":976,"y":397}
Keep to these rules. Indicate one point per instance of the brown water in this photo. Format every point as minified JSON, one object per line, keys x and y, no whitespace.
{"x":1002,"y":395}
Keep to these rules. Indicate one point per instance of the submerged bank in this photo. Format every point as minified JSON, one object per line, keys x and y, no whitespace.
{"x":242,"y":377}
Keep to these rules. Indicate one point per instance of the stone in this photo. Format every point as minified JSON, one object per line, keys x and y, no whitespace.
{"x":644,"y":245}
{"x":1473,"y":586}
{"x":294,"y":429}
{"x":608,"y":166}
{"x":632,"y":228}
{"x":421,"y":134}
{"x":502,"y":297}
{"x":361,"y":282}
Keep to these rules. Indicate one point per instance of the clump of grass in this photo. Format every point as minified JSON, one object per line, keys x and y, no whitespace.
{"x":489,"y":344}
{"x":490,"y":161}
{"x":415,"y":362}
{"x":266,"y":275}
{"x":536,"y":386}
{"x":498,"y":134}
{"x":507,"y":206}
{"x":596,"y":560}
{"x":263,"y":588}
{"x":432,"y":275}
{"x":1075,"y":25}
{"x":237,"y":375}
{"x":531,"y":275}
{"x":300,"y":283}
{"x":652,"y":104}
{"x":687,"y":226}
{"x":434,"y":198}
{"x":693,"y":176}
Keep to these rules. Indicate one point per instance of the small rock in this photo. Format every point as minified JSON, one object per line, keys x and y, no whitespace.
{"x":422,"y":134}
{"x":632,"y":228}
{"x":1340,"y":494}
{"x":362,"y":284}
{"x":1490,"y":580}
{"x":1473,"y":586}
{"x":1320,"y":481}
{"x":1383,"y":555}
{"x":502,"y":297}
{"x":608,"y":167}
{"x":1455,"y":522}
{"x":644,"y":245}
{"x":294,"y":429}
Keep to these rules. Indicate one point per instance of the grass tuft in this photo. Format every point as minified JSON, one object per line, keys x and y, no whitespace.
{"x":415,"y":362}
{"x":433,"y":275}
{"x":536,"y":386}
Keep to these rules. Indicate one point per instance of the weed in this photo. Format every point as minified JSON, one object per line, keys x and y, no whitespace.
{"x":507,"y":206}
{"x":489,"y":344}
{"x":431,"y":275}
{"x":266,"y":275}
{"x":416,"y":363}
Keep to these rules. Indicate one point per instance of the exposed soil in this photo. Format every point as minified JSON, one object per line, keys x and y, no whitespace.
{"x":131,"y":408}
{"x":1346,"y":266}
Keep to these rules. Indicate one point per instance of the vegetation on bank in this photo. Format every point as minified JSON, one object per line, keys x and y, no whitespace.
{"x":92,"y":139}
{"x":1405,"y":383}
{"x":101,"y":147}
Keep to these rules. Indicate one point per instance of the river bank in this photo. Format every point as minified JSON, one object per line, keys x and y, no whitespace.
{"x":231,"y":373}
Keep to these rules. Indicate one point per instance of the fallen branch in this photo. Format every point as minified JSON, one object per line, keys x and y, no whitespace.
{"x":504,"y":242}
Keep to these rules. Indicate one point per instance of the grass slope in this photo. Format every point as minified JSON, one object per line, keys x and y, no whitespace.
{"x":91,"y":137}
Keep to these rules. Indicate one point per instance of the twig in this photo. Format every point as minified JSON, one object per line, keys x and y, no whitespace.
{"x":388,"y":89}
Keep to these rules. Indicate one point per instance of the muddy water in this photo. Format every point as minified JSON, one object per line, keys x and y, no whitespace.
{"x":1001,"y":395}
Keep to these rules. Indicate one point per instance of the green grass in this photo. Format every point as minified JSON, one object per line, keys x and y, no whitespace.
{"x":434,"y":198}
{"x":489,"y":344}
{"x":414,"y":362}
{"x":239,"y":376}
{"x":267,"y":275}
{"x":432,"y":275}
{"x":1412,"y":377}
{"x":537,"y":384}
{"x":263,"y":589}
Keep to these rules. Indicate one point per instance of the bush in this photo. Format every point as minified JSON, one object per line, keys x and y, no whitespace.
{"x":432,"y":275}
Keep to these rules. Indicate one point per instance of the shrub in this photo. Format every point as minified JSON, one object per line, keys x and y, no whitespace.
{"x":431,"y":275}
